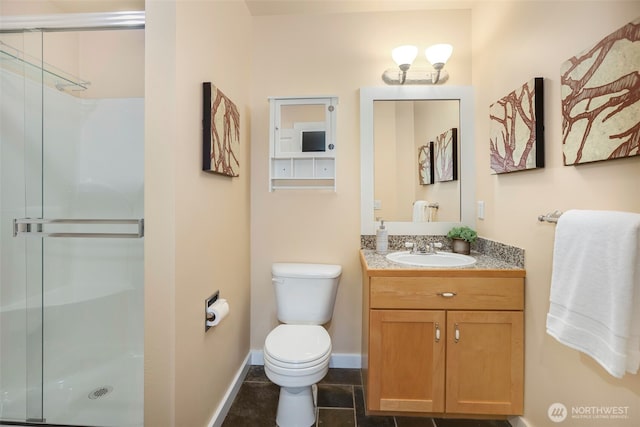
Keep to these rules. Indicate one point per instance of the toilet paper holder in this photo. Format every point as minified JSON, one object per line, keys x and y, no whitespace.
{"x":208,"y":316}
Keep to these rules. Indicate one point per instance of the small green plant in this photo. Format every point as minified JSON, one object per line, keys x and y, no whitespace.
{"x":464,"y":233}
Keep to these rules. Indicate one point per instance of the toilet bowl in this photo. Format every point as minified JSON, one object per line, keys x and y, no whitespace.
{"x":297,"y":352}
{"x":295,"y":358}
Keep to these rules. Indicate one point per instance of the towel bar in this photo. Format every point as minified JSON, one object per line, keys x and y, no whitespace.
{"x":550,"y":217}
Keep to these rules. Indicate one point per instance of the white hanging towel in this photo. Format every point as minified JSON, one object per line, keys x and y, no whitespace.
{"x":419,"y":210}
{"x":595,"y":287}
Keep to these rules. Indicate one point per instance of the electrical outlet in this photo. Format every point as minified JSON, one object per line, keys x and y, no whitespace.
{"x":480,"y":209}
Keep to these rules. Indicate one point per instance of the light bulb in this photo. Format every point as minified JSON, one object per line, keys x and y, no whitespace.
{"x":404,"y":55}
{"x":438,"y":54}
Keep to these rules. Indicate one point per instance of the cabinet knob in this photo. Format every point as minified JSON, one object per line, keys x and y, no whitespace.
{"x":437,"y":332}
{"x":457,"y":333}
{"x":447,"y":294}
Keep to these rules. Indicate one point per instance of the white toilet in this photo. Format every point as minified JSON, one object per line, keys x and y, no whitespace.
{"x":297,"y":352}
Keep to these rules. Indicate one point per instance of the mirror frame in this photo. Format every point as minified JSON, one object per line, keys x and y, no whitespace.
{"x":466,"y":171}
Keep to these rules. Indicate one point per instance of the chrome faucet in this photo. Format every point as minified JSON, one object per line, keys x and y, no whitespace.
{"x":432,"y":246}
{"x":427,"y":249}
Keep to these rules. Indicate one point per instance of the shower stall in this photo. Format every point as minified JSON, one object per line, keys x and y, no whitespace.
{"x":71,"y":220}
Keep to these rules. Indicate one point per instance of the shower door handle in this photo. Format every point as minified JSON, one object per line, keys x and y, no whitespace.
{"x":36,"y":228}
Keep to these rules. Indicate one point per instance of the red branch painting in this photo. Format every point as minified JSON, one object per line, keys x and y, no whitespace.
{"x":601,"y":99}
{"x":221,"y":132}
{"x":225,"y":134}
{"x":515,"y":141}
{"x":425,"y":164}
{"x":445,"y":156}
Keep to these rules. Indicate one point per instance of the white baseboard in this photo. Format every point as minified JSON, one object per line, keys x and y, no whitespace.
{"x":518,"y":422}
{"x":346,"y":360}
{"x":338,"y":360}
{"x":224,"y":406}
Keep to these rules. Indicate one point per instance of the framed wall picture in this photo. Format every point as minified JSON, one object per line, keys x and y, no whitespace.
{"x":425,"y":164}
{"x":600,"y":102}
{"x":220,"y":132}
{"x":516,"y":133}
{"x":445,"y":156}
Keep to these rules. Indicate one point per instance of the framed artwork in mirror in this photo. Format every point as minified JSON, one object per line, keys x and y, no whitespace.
{"x":425,"y":164}
{"x":445,"y":156}
{"x":516,"y":130}
{"x":600,"y":102}
{"x":220,"y":132}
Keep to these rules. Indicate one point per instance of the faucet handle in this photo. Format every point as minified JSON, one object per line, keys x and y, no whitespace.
{"x":408,"y":245}
{"x":437,"y":245}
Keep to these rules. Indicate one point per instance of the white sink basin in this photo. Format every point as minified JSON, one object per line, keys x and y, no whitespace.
{"x":439,"y":259}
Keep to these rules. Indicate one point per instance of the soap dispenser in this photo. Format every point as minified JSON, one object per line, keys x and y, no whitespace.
{"x":382,"y":240}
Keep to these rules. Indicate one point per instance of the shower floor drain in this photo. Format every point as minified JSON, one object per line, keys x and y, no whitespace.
{"x":100,"y":392}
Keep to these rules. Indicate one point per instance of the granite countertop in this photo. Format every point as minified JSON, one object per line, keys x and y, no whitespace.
{"x":375,"y":261}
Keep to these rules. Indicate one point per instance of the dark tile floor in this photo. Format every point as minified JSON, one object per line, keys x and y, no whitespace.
{"x":340,"y":404}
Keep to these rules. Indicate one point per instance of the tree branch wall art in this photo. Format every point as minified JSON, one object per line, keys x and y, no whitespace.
{"x":601,"y":99}
{"x":516,"y":133}
{"x":220,"y":132}
{"x":445,"y":156}
{"x":425,"y":164}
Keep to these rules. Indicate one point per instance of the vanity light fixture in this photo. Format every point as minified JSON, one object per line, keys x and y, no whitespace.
{"x":437,"y":55}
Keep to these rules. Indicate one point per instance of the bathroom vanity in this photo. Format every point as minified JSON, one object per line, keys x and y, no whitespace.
{"x":445,"y":342}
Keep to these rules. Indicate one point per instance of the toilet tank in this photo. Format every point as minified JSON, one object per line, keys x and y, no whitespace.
{"x":305,"y":293}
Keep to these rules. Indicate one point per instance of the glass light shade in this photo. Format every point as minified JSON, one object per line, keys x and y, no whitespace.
{"x":404,"y":54}
{"x":438,"y":53}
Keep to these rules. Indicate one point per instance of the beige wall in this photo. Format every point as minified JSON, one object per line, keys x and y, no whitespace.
{"x":511,"y":44}
{"x":21,"y":7}
{"x":327,"y":55}
{"x":385,"y":178}
{"x":405,"y":168}
{"x":197,"y":238}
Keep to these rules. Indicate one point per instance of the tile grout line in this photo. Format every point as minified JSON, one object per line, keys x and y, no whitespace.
{"x":353,"y":401}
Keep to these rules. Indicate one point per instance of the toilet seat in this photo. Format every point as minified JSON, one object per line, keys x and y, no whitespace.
{"x":297,"y":346}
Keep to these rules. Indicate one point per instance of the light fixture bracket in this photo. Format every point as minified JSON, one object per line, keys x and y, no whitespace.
{"x":414,"y":76}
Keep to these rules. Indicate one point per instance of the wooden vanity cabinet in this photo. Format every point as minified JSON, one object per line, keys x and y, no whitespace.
{"x":485,"y":364}
{"x":443,"y":341}
{"x":406,"y":361}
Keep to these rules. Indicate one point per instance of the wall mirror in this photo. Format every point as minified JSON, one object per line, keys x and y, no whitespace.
{"x":400,"y":127}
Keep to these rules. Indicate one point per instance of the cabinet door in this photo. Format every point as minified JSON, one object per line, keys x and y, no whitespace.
{"x":485,"y":362}
{"x":406,"y":361}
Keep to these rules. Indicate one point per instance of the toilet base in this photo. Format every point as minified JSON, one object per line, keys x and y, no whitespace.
{"x":296,"y":407}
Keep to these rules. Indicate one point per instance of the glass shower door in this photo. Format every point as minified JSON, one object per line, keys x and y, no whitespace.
{"x":72,"y":253}
{"x":21,"y":309}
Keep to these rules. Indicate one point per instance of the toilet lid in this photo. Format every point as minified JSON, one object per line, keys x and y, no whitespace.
{"x":297,"y":343}
{"x":306,"y":271}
